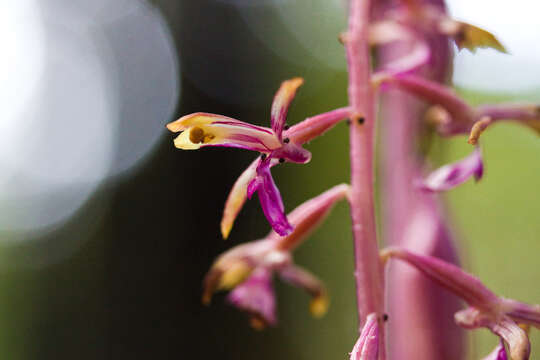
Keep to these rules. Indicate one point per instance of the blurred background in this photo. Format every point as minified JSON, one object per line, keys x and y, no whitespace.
{"x":107,"y":230}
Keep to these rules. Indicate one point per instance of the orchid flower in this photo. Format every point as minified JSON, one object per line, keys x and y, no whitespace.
{"x":247,"y":269}
{"x":486,"y":309}
{"x":201,"y":129}
{"x":300,"y":133}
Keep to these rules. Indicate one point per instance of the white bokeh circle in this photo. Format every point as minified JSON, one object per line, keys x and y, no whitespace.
{"x":87,"y":90}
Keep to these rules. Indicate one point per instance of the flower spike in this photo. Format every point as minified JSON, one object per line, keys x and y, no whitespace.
{"x":367,"y":346}
{"x":452,"y":175}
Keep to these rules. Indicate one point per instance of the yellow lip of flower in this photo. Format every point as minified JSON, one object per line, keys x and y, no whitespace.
{"x":203,"y":129}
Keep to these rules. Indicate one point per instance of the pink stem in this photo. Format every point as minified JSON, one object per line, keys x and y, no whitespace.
{"x":368,"y":269}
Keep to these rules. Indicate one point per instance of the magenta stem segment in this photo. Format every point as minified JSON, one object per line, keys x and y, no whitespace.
{"x":368,"y":269}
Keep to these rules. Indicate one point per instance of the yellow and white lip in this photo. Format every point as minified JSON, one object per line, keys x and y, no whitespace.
{"x":202,"y":129}
{"x":237,"y":198}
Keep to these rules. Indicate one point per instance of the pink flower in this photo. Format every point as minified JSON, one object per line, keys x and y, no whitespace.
{"x":248,"y":268}
{"x":486,"y":309}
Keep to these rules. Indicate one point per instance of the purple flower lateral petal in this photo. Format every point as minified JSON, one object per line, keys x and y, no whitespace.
{"x":452,"y":175}
{"x":270,"y":198}
{"x":256,"y":297}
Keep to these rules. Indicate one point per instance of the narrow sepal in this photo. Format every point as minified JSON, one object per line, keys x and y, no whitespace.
{"x":367,"y":346}
{"x":303,"y":279}
{"x":283,"y":98}
{"x":525,"y":114}
{"x":452,"y":175}
{"x":316,"y":126}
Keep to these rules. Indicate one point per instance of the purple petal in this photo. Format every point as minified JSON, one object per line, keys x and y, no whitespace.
{"x":499,"y":353}
{"x":270,"y":198}
{"x":256,"y":297}
{"x":367,"y":346}
{"x":280,"y":105}
{"x":452,"y":175}
{"x":305,"y":280}
{"x":306,"y":217}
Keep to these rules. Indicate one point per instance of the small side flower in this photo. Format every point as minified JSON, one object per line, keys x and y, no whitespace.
{"x":452,"y":175}
{"x":247,"y":269}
